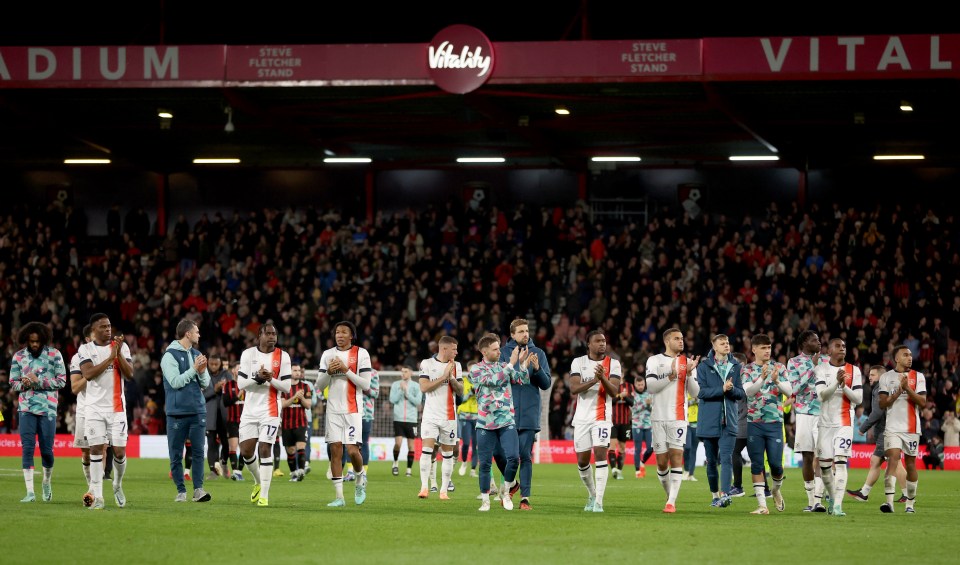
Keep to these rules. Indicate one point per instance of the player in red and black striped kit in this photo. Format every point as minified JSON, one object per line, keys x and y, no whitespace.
{"x":295,"y":406}
{"x":620,"y":433}
{"x":233,"y":400}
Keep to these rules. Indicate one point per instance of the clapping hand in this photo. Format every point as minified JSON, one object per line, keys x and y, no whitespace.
{"x":29,"y":379}
{"x":535,"y":362}
{"x":336,"y":366}
{"x":766,"y":372}
{"x":525,"y":359}
{"x":727,"y":385}
{"x":692,"y":363}
{"x":515,"y":355}
{"x":598,"y":372}
{"x":449,"y":370}
{"x":841,"y":375}
{"x":904,"y":381}
{"x":263,"y":375}
{"x":200,"y":363}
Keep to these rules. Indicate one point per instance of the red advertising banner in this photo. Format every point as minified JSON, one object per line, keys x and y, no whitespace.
{"x":596,"y":61}
{"x":10,"y":446}
{"x":712,"y":59}
{"x":327,"y":65}
{"x":561,"y":451}
{"x":832,"y":58}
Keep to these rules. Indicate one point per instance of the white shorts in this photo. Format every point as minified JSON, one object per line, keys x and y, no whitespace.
{"x":444,"y":431}
{"x":263,"y":430}
{"x":834,"y":442}
{"x":102,"y":429}
{"x":669,"y":435}
{"x":593,"y":434}
{"x":345,"y":428}
{"x":806,"y":437}
{"x":908,"y":444}
{"x":80,"y":433}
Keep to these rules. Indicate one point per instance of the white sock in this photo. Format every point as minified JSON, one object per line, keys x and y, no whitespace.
{"x":758,"y":489}
{"x":865,"y":489}
{"x":266,"y":476}
{"x":818,"y":488}
{"x":840,"y":484}
{"x":119,"y":468}
{"x":86,"y":472}
{"x":826,"y":473}
{"x":587,"y":477}
{"x":96,"y":476}
{"x":47,"y":475}
{"x":362,"y":478}
{"x":890,"y":487}
{"x":911,"y":493}
{"x":809,"y":486}
{"x":447,"y":470}
{"x":676,"y":478}
{"x":664,"y":477}
{"x":433,"y":473}
{"x":425,"y":469}
{"x":485,"y":497}
{"x":601,"y":473}
{"x":338,"y":487}
{"x":254,"y":466}
{"x":28,"y":479}
{"x":777,"y":483}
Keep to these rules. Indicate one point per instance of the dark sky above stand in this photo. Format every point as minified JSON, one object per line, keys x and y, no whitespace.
{"x":179,"y":22}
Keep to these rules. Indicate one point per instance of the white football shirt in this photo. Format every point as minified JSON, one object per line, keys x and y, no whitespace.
{"x":263,"y":401}
{"x":105,"y":391}
{"x":904,"y":416}
{"x":344,"y":397}
{"x":594,"y":404}
{"x":670,"y":403}
{"x":439,"y":405}
{"x":838,"y":410}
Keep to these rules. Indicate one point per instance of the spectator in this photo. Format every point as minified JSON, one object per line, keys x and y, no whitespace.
{"x":934,"y":457}
{"x":951,"y":429}
{"x":930,"y":425}
{"x":559,"y":399}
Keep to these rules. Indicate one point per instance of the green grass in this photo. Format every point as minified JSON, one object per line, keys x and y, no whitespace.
{"x":395,"y":527}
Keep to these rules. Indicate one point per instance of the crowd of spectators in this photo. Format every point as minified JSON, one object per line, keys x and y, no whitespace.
{"x":876,"y":278}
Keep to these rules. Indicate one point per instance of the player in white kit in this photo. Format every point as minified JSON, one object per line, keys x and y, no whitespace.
{"x":903,"y":392}
{"x":79,"y":387}
{"x":441,"y":381}
{"x":264,"y":375}
{"x":840,"y":390}
{"x":346,"y":369}
{"x":670,"y":377}
{"x":595,"y":379}
{"x":104,"y":363}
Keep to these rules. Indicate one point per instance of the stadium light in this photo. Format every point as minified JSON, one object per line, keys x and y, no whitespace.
{"x":898,"y":157}
{"x":616,"y":159}
{"x":216,"y":161}
{"x":480,"y":160}
{"x":86,"y":161}
{"x":347,"y":160}
{"x":754,"y":158}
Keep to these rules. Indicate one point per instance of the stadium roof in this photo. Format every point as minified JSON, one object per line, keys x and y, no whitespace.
{"x":815,"y":124}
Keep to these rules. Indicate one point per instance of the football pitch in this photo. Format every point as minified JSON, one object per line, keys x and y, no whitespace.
{"x":395,"y":527}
